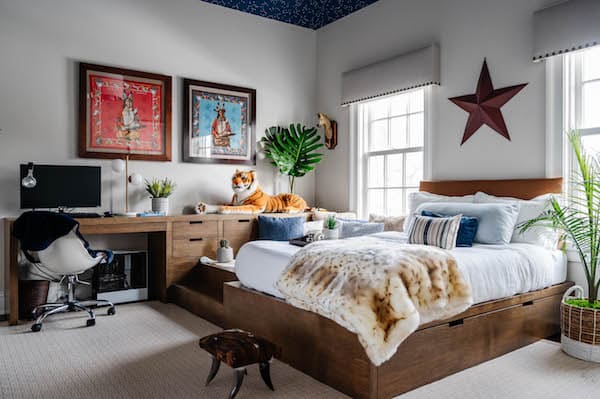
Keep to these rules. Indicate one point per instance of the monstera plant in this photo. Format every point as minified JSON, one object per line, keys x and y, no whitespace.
{"x":292,"y":150}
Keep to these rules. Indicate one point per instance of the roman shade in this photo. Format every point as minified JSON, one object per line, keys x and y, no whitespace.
{"x":403,"y":72}
{"x":566,"y":27}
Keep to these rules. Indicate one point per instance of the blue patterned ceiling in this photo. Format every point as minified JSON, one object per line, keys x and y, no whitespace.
{"x":312,"y":14}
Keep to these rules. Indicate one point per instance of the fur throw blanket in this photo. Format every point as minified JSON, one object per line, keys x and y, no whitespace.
{"x":379,"y":289}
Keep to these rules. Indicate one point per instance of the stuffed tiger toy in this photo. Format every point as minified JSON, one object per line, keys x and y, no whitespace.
{"x":249,"y":198}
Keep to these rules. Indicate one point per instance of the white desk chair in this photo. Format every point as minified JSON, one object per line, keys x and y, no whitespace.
{"x":67,"y":257}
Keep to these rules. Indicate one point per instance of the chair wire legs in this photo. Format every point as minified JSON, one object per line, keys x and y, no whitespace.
{"x":40,"y":313}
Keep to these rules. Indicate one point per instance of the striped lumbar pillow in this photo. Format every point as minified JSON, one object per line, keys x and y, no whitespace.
{"x":439,"y":232}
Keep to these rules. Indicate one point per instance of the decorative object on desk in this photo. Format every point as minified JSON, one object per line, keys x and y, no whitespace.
{"x":29,"y":181}
{"x":122,"y":111}
{"x":224,"y":252}
{"x":118,"y":166}
{"x":331,"y":229}
{"x":484,"y":106}
{"x":308,"y":238}
{"x":330,"y":130}
{"x":239,"y":349}
{"x":218,"y":123}
{"x":160,"y":191}
{"x":293,"y":150}
{"x":578,"y":220}
{"x":248,"y":197}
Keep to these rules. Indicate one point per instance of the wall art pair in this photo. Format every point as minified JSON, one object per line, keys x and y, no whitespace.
{"x":123,"y":112}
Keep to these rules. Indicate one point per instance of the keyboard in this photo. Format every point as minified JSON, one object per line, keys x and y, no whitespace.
{"x":84,"y":215}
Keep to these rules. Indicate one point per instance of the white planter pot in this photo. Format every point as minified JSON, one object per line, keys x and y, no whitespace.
{"x":331,"y":234}
{"x":580,"y":350}
{"x":580,"y":328}
{"x":224,"y":254}
{"x":160,"y":205}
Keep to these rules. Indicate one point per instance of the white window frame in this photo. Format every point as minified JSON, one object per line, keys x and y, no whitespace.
{"x":564,"y":112}
{"x":359,"y":161}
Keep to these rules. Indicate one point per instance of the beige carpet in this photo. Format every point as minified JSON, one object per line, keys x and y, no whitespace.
{"x":150,"y":350}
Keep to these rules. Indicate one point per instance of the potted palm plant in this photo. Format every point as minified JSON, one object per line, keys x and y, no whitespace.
{"x":160,"y":191}
{"x":579,"y":222}
{"x":293,"y":150}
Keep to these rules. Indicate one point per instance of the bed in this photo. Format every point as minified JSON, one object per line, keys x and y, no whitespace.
{"x":516,"y":291}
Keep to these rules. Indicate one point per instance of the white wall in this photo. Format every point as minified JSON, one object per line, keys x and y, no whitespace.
{"x":467,"y":31}
{"x":42,"y":41}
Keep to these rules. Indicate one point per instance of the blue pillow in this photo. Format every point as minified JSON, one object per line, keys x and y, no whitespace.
{"x":280,"y":228}
{"x":466,"y":230}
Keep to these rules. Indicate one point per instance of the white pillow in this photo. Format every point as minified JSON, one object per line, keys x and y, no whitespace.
{"x":420,"y":197}
{"x":315,"y":225}
{"x":390,"y":223}
{"x":497,"y":221}
{"x":529,"y":209}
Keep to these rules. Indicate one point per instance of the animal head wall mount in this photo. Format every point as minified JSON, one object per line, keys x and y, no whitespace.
{"x":330,"y":130}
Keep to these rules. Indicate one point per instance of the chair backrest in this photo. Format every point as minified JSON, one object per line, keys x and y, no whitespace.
{"x":67,"y":255}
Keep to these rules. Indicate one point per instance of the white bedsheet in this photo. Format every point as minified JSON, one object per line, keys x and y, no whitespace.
{"x":493,"y":271}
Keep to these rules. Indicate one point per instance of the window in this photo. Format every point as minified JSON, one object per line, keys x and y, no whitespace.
{"x":390,"y":152}
{"x":582,"y":101}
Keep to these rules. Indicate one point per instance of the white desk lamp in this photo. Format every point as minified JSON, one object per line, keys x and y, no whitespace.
{"x":29,"y":181}
{"x":118,"y":166}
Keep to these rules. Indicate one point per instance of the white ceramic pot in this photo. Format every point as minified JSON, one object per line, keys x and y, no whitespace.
{"x":160,"y":205}
{"x":331,"y":234}
{"x":224,"y":254}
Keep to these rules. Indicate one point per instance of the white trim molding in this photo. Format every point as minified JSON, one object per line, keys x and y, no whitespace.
{"x":3,"y":303}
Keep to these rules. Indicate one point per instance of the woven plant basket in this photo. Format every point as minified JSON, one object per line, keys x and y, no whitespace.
{"x":580,"y":328}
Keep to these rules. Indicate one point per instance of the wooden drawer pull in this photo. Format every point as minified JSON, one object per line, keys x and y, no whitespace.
{"x":196,"y":239}
{"x":243,"y":220}
{"x":528,"y":303}
{"x":455,"y":323}
{"x":196,"y":222}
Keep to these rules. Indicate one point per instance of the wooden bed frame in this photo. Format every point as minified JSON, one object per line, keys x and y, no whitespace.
{"x":328,"y":352}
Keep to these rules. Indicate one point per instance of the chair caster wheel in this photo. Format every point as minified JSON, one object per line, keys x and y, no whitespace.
{"x":90,"y":322}
{"x":36,"y":327}
{"x":111,"y":311}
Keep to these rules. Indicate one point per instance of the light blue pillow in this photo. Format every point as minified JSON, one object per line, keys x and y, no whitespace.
{"x":280,"y":228}
{"x":359,"y":228}
{"x":496,"y":221}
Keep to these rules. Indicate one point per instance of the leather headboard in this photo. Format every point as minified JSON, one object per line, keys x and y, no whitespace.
{"x":518,"y":188}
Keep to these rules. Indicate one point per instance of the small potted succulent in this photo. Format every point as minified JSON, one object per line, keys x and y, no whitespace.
{"x":224,"y":252}
{"x":331,"y":228}
{"x":160,"y":191}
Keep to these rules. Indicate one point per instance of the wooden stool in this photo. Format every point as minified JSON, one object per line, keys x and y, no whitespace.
{"x":238,"y":349}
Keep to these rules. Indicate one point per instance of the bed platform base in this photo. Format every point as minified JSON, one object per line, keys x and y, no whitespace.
{"x":331,"y":354}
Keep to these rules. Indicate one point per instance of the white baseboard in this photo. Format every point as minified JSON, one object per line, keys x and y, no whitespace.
{"x":3,"y":303}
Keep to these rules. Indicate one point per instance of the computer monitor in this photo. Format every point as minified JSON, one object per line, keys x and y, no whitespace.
{"x":61,"y":186}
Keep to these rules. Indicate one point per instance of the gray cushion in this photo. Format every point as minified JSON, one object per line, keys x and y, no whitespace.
{"x":496,"y":221}
{"x":359,"y":228}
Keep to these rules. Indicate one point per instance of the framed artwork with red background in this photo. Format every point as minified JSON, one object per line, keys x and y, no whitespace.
{"x":124,"y":113}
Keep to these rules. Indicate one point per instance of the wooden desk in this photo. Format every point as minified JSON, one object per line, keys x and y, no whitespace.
{"x":175,"y":244}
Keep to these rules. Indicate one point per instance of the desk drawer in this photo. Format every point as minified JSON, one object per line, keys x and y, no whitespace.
{"x":195,"y":229}
{"x":239,"y":231}
{"x":195,"y":247}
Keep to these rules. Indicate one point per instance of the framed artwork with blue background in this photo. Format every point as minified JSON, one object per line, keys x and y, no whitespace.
{"x":218,"y":123}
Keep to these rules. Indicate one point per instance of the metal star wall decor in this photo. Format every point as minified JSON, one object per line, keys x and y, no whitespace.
{"x":484,"y":106}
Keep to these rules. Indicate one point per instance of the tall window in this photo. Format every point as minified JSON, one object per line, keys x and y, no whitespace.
{"x":582,"y":102}
{"x":391,"y":143}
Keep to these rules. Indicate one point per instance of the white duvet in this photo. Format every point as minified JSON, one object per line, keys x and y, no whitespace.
{"x":493,"y":271}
